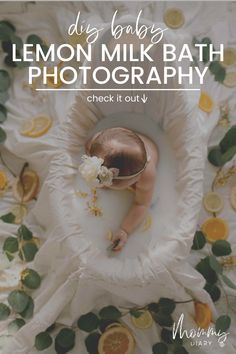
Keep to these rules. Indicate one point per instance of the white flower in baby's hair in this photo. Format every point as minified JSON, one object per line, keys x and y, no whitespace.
{"x":105,"y":176}
{"x":94,"y":173}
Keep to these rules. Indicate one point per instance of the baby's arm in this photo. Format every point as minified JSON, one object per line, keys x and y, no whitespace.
{"x":142,"y":201}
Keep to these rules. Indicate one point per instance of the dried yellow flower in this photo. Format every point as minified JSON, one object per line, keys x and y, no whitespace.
{"x":228,"y":262}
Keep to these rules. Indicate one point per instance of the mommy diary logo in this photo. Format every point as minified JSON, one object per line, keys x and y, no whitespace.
{"x":120,"y":50}
{"x":198,"y":337}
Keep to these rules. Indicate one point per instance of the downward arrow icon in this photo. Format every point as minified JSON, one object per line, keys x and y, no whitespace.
{"x":144,"y":98}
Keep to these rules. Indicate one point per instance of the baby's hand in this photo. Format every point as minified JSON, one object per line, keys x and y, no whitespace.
{"x":119,"y":240}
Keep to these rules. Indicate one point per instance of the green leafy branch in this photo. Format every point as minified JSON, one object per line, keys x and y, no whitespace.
{"x":225,"y":151}
{"x":95,"y":324}
{"x":213,"y":271}
{"x":8,"y":37}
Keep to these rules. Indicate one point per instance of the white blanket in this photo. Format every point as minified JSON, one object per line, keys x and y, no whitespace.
{"x":63,"y":258}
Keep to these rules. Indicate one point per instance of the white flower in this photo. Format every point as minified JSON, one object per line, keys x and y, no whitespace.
{"x":105,"y":176}
{"x":90,"y":169}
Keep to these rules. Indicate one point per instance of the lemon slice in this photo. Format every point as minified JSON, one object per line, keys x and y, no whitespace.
{"x":233,"y":197}
{"x":75,"y":39}
{"x":26,"y":127}
{"x":147,"y":223}
{"x":3,"y":181}
{"x":203,"y":315}
{"x":117,"y":340}
{"x":230,"y":79}
{"x":20,"y":211}
{"x":213,"y":202}
{"x":37,"y":126}
{"x":26,"y":188}
{"x":229,"y":57}
{"x":215,"y":229}
{"x":205,"y":102}
{"x":144,"y":321}
{"x":174,"y":18}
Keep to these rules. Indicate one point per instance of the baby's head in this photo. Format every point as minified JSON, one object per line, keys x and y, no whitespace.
{"x":123,"y":153}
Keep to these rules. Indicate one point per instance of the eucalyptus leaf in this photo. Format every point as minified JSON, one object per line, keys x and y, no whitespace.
{"x":28,"y":251}
{"x":9,"y":255}
{"x":29,"y":310}
{"x":18,"y":300}
{"x":11,"y":244}
{"x":88,"y":322}
{"x":163,"y":319}
{"x":199,"y":240}
{"x":91,"y":343}
{"x":166,"y":336}
{"x":229,"y":154}
{"x":3,"y":113}
{"x":7,"y":47}
{"x":223,"y":323}
{"x":17,"y":41}
{"x":153,"y":307}
{"x":30,"y":278}
{"x":34,"y":39}
{"x":5,"y":31}
{"x":5,"y":80}
{"x":110,"y":313}
{"x":215,"y":67}
{"x":215,"y":265}
{"x":215,"y":156}
{"x":228,"y":282}
{"x":4,"y":312}
{"x":229,"y":140}
{"x":15,"y":325}
{"x":221,"y":248}
{"x":9,"y":217}
{"x":160,"y":348}
{"x":220,"y":75}
{"x":205,"y":269}
{"x":166,"y":305}
{"x":65,"y":340}
{"x":24,"y":233}
{"x":4,"y":96}
{"x":8,"y":24}
{"x":214,"y":291}
{"x":43,"y":340}
{"x":3,"y":136}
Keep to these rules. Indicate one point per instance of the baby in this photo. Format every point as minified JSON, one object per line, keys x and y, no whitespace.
{"x":120,"y":159}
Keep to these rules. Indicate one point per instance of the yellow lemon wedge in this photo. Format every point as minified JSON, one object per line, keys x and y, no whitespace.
{"x":229,"y":57}
{"x":205,"y":102}
{"x":147,"y":223}
{"x":230,"y":79}
{"x":3,"y":181}
{"x":37,"y":126}
{"x":25,"y":188}
{"x":215,"y":229}
{"x":20,"y":212}
{"x":144,"y":321}
{"x":174,"y":18}
{"x":233,"y":197}
{"x":203,"y":315}
{"x":116,"y":340}
{"x":213,"y":202}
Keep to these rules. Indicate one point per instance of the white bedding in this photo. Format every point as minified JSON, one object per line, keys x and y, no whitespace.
{"x":218,"y":23}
